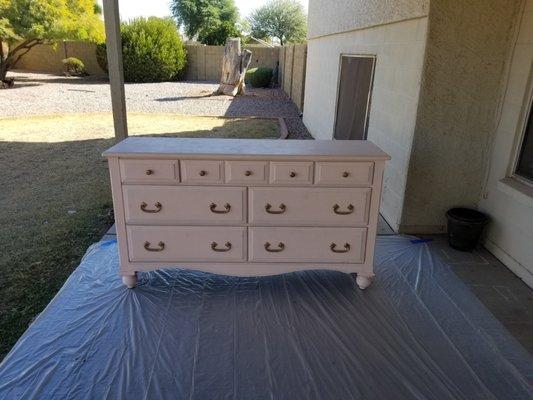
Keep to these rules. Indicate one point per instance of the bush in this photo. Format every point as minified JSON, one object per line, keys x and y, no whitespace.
{"x":73,"y":66}
{"x":259,"y":77}
{"x":101,"y":56}
{"x":152,"y":50}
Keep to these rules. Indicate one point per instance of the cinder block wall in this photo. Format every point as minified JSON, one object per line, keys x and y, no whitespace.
{"x":292,"y":67}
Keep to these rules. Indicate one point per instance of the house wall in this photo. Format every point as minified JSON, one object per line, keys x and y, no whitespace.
{"x":399,"y":49}
{"x":508,"y":202}
{"x":468,"y":45}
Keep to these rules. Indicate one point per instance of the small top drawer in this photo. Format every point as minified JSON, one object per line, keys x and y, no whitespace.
{"x":201,"y":171}
{"x":291,"y":172}
{"x":246,"y":171}
{"x":344,"y":173}
{"x":148,"y":170}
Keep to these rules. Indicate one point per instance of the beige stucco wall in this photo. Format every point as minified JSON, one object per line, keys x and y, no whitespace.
{"x":327,"y":17}
{"x":509,"y":203}
{"x":399,"y":50}
{"x":468,"y":45}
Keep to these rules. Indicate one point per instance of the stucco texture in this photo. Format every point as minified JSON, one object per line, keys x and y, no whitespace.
{"x":467,"y":48}
{"x":327,"y":17}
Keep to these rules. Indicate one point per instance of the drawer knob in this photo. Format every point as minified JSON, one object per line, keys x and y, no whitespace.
{"x":334,"y":249}
{"x":227,"y":247}
{"x":248,"y":173}
{"x":293,"y":174}
{"x":202,"y":173}
{"x":281,"y":247}
{"x":158,"y":206}
{"x":282,"y":209}
{"x":350,"y":209}
{"x":213,"y":208}
{"x":160,"y":246}
{"x":345,"y":174}
{"x":149,"y":172}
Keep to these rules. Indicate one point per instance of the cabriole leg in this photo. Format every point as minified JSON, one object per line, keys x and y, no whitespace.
{"x":363,"y":281}
{"x":129,"y":280}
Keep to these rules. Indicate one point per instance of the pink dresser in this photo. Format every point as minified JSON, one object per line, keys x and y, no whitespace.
{"x":246,"y":207}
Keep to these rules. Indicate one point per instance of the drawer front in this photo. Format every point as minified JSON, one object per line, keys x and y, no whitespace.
{"x":170,"y":243}
{"x":335,"y":245}
{"x":149,"y":171}
{"x":349,"y":174}
{"x":243,"y":172}
{"x":198,"y":171}
{"x":309,"y":206}
{"x":291,"y":173}
{"x":167,"y":205}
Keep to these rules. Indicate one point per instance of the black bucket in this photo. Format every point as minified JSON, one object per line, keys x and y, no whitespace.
{"x":465,"y":227}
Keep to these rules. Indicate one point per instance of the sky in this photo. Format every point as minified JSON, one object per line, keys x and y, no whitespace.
{"x":160,"y":8}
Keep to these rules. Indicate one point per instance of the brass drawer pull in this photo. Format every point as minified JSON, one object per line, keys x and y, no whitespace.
{"x":350,"y":208}
{"x":213,"y":208}
{"x":161,"y":246}
{"x":282,"y":209}
{"x":202,"y":173}
{"x":292,"y":174}
{"x":345,"y":174}
{"x":248,"y":173}
{"x":149,"y":172}
{"x":280,"y":248}
{"x":333,"y":248}
{"x":157,"y":206}
{"x":214,"y":247}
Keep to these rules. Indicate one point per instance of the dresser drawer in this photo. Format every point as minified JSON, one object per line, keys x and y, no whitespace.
{"x":198,"y":171}
{"x":186,"y":243}
{"x":245,"y":172}
{"x":335,"y":245}
{"x":149,"y":171}
{"x":291,"y":173}
{"x":344,"y":173}
{"x":309,"y":206}
{"x":167,"y":205}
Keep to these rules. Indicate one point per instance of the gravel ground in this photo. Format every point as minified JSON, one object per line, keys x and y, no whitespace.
{"x":44,"y":94}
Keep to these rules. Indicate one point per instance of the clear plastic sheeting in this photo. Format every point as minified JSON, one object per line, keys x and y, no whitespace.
{"x":416,"y":333}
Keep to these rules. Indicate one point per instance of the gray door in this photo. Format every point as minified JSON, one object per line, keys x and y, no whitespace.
{"x":353,"y":101}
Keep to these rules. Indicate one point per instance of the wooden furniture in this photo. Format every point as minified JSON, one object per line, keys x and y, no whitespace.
{"x":246,"y":207}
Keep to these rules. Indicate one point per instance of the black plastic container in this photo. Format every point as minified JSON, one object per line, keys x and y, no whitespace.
{"x":465,"y":227}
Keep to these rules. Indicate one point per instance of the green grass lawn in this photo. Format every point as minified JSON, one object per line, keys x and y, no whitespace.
{"x":56,"y":200}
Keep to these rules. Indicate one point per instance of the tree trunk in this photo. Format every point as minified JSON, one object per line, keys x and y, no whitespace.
{"x":234,"y":66}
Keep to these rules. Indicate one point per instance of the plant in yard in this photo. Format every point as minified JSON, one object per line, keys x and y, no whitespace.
{"x":284,"y":20}
{"x":101,"y":56}
{"x":211,"y":21}
{"x":152,"y":50}
{"x":27,"y":23}
{"x":73,"y":66}
{"x":259,"y":77}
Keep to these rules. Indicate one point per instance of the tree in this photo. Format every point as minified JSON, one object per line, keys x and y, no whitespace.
{"x":211,"y":21}
{"x":26,"y":23}
{"x":284,"y":20}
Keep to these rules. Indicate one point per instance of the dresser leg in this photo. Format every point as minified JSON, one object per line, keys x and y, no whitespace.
{"x":129,"y":280}
{"x":363,"y":281}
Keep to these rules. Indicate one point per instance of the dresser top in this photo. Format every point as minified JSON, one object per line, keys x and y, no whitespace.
{"x":163,"y":147}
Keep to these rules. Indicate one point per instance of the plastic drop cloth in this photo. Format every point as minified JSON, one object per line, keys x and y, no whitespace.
{"x":416,"y":333}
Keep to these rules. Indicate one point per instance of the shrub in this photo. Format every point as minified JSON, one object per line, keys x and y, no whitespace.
{"x":259,"y":77}
{"x":73,"y":66}
{"x":101,"y":56}
{"x":152,"y":50}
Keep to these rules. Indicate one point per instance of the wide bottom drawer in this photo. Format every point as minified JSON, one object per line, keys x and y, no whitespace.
{"x":335,"y":245}
{"x":182,"y":244}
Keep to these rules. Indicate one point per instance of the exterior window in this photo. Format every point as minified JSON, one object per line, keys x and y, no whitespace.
{"x":524,"y":168}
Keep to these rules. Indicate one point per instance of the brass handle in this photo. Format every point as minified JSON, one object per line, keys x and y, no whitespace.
{"x":161,"y":246}
{"x":149,"y":172}
{"x":350,"y":208}
{"x":292,"y":174}
{"x":248,"y":173}
{"x":213,"y":208}
{"x":281,"y":247}
{"x":202,"y":173}
{"x":345,"y":174}
{"x":214,"y":247}
{"x":157,"y":206}
{"x":282,"y":209}
{"x":333,"y":248}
